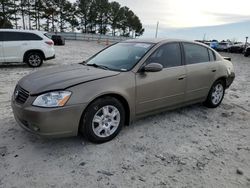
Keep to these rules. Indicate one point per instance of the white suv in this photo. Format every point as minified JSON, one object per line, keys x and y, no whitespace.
{"x":31,"y":47}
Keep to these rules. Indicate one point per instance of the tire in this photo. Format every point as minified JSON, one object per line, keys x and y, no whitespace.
{"x":216,"y":94}
{"x":99,"y":129}
{"x":34,"y":59}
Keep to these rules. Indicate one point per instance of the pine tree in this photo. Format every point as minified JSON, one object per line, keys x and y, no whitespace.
{"x":6,"y":13}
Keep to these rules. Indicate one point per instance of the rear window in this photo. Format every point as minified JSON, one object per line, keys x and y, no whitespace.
{"x":47,"y":35}
{"x":195,"y":53}
{"x":20,"y":36}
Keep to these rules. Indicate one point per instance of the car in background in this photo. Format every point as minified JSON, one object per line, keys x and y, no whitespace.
{"x":58,"y":39}
{"x":247,"y":52}
{"x":236,"y":48}
{"x":214,"y":44}
{"x":31,"y":47}
{"x":223,"y":46}
{"x":124,"y":82}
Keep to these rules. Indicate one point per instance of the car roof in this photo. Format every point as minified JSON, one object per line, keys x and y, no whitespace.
{"x":21,"y":30}
{"x":162,"y":40}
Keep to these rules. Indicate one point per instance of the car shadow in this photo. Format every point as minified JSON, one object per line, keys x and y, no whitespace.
{"x":23,"y":65}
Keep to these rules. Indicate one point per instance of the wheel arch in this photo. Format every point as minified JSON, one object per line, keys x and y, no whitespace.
{"x":33,"y":50}
{"x":119,"y":97}
{"x":223,"y":79}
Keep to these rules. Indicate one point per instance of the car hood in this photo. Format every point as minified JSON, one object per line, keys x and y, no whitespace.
{"x":62,"y":77}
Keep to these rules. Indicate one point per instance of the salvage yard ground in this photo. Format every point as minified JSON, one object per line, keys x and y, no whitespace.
{"x":188,"y":147}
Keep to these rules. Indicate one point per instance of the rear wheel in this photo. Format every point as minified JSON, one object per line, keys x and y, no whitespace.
{"x":34,"y":59}
{"x":103,"y":120}
{"x":216,"y":94}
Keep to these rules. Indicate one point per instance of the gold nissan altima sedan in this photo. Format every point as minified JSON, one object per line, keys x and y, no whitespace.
{"x":121,"y":83}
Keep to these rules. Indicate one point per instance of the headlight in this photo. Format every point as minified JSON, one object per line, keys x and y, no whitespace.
{"x":52,"y":99}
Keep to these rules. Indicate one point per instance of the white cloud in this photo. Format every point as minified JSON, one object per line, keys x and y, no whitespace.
{"x":189,"y":13}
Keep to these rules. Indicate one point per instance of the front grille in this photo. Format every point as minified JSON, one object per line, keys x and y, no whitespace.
{"x":21,"y":95}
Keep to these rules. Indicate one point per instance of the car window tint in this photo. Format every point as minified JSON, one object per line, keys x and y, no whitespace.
{"x":31,"y":36}
{"x":1,"y":36}
{"x":169,"y":55}
{"x":211,"y":55}
{"x":20,"y":36}
{"x":195,"y":53}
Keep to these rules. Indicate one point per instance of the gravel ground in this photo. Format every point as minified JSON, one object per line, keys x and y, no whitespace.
{"x":188,"y":147}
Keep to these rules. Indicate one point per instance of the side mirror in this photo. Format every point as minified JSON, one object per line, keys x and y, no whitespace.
{"x":152,"y":67}
{"x":227,"y":58}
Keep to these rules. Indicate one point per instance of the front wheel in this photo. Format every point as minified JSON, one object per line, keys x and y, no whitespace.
{"x":103,"y":120}
{"x":216,"y":94}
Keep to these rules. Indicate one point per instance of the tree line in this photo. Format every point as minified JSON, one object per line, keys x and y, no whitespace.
{"x":88,"y":16}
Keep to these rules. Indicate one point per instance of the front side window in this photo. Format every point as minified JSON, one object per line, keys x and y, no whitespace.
{"x":20,"y":36}
{"x":168,"y":55}
{"x":121,"y":56}
{"x":195,"y":53}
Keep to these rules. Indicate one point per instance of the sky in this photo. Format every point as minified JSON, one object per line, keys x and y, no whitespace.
{"x":193,"y":19}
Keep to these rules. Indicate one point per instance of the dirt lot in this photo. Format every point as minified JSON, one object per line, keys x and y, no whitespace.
{"x":188,"y":147}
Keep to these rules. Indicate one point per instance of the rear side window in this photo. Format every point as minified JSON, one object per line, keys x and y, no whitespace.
{"x":1,"y":36}
{"x":168,"y":55}
{"x":195,"y":53}
{"x":20,"y":36}
{"x":211,"y":55}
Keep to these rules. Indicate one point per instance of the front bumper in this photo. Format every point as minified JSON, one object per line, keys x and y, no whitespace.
{"x":49,"y":122}
{"x":230,"y":79}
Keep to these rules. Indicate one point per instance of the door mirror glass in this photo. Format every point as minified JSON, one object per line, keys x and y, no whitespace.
{"x":153,"y":67}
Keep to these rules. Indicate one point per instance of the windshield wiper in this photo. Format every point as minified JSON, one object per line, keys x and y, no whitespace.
{"x":83,"y":63}
{"x":98,"y":66}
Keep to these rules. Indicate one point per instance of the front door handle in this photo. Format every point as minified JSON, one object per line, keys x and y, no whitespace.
{"x":181,"y":78}
{"x":214,"y":70}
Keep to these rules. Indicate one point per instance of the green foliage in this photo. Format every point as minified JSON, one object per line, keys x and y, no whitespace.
{"x":89,"y":16}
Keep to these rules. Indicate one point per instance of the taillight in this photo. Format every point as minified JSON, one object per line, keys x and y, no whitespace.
{"x":49,"y":43}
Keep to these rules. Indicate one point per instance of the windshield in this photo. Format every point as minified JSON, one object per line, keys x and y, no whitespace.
{"x":121,"y":56}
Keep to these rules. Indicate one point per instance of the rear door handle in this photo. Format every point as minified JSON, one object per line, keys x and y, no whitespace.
{"x":214,"y":70}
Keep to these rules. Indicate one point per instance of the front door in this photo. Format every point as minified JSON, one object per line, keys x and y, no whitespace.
{"x":156,"y":90}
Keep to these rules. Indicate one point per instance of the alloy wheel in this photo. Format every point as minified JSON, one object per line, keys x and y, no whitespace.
{"x":217,"y":94}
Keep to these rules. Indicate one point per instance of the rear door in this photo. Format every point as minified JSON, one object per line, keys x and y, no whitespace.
{"x":1,"y":48}
{"x":200,"y":70}
{"x":156,"y":90}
